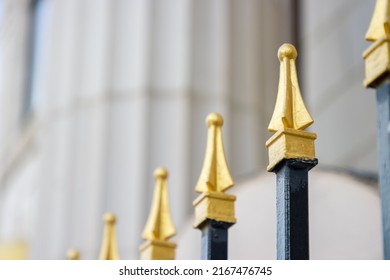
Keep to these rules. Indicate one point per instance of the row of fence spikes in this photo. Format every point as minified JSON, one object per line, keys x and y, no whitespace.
{"x":291,"y":156}
{"x":214,"y":210}
{"x":109,"y":248}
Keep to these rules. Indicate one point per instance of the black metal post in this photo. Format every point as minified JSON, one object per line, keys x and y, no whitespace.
{"x":293,"y":208}
{"x":377,"y":76}
{"x":214,"y":240}
{"x":383,"y":140}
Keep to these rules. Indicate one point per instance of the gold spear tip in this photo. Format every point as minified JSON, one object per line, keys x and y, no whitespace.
{"x":290,"y":117}
{"x":287,"y":50}
{"x":290,"y":110}
{"x":380,"y":21}
{"x":376,"y":56}
{"x":109,"y":250}
{"x":109,"y":218}
{"x":215,"y":175}
{"x":159,"y":225}
{"x":73,"y":254}
{"x":215,"y":178}
{"x":161,"y":173}
{"x":214,"y":119}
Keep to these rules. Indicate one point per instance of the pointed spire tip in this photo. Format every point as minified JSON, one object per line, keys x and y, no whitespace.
{"x":287,"y":50}
{"x":159,"y":226}
{"x":160,"y":173}
{"x":290,"y":110}
{"x":109,"y":250}
{"x":215,"y":175}
{"x":376,"y":55}
{"x":109,"y":218}
{"x":214,"y":119}
{"x":290,"y":117}
{"x":73,"y":254}
{"x":380,"y":22}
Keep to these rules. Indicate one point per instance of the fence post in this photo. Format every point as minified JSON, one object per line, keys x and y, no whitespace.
{"x":109,"y":250}
{"x":291,"y":156}
{"x":159,"y":227}
{"x":377,"y":75}
{"x":214,"y":210}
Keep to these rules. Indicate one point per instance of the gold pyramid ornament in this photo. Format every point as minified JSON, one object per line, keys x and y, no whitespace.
{"x":215,"y":178}
{"x":109,"y":249}
{"x":159,"y":226}
{"x":290,"y":117}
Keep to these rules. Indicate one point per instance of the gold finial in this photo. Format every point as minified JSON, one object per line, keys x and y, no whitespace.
{"x":290,"y":111}
{"x":214,"y":179}
{"x":290,"y":116}
{"x":73,"y":254}
{"x":380,"y":22}
{"x":377,"y":56}
{"x":109,"y":250}
{"x":215,"y":175}
{"x":159,"y":227}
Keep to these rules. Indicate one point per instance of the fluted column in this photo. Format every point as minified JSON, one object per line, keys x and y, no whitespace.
{"x":73,"y":133}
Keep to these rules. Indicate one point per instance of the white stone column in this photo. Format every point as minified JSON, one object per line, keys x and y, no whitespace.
{"x":92,"y":114}
{"x":169,"y":83}
{"x":74,"y":135}
{"x":128,"y":124}
{"x":210,"y":78}
{"x":247,"y":91}
{"x":333,"y":44}
{"x":14,"y":32}
{"x":56,"y":139}
{"x":17,"y":164}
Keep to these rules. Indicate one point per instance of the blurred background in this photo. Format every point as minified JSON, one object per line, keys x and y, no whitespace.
{"x":95,"y":94}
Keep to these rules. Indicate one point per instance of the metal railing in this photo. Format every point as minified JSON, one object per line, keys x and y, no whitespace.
{"x":291,"y":156}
